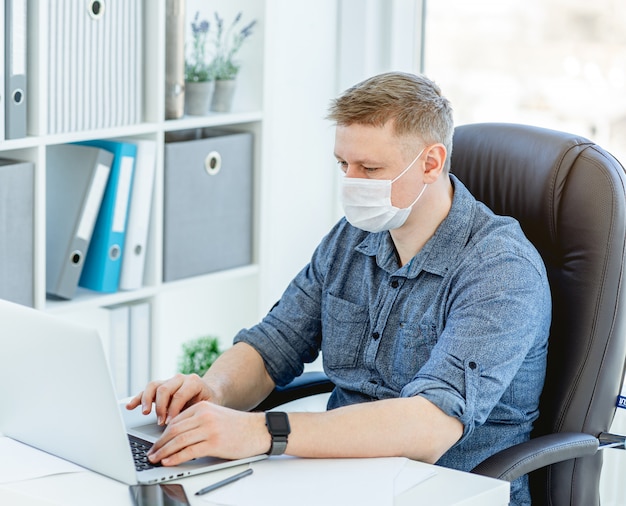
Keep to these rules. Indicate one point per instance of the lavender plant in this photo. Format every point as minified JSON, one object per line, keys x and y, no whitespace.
{"x":197,"y":66}
{"x":227,"y":44}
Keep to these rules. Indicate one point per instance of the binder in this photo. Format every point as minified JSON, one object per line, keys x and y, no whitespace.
{"x":16,"y":231}
{"x":76,"y":178}
{"x":134,"y":257}
{"x":94,"y":62}
{"x":2,"y":88}
{"x":103,"y":263}
{"x":119,"y":349}
{"x":139,"y":356}
{"x":15,"y":69}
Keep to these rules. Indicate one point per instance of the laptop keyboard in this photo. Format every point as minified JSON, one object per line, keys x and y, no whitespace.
{"x":140,"y":448}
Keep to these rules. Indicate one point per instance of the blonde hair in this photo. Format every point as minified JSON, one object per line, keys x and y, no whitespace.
{"x":413,"y":102}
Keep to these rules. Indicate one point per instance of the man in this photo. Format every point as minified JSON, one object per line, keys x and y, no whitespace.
{"x":431,"y":312}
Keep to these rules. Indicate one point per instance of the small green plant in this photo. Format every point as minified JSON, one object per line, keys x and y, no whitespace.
{"x":199,"y":354}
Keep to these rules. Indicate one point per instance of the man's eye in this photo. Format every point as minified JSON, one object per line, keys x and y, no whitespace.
{"x":342,"y":165}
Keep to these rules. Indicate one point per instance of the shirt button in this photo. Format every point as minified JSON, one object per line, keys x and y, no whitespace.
{"x":394,"y":284}
{"x":375,"y":336}
{"x":472,"y":365}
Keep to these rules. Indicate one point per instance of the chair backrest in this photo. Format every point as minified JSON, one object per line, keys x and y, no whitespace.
{"x":569,"y":196}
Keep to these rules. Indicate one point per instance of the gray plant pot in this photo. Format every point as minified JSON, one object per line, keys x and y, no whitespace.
{"x":198,"y":97}
{"x":223,"y":93}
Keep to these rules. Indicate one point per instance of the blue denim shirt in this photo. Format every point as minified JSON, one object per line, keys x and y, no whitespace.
{"x":463,"y":324}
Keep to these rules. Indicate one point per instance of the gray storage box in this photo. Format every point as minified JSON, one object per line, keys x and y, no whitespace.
{"x":16,"y":231}
{"x":207,"y":223}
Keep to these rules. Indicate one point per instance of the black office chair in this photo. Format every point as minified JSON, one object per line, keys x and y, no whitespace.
{"x":569,"y":196}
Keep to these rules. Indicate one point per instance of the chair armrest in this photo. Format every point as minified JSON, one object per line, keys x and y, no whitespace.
{"x":309,"y":383}
{"x":539,"y":452}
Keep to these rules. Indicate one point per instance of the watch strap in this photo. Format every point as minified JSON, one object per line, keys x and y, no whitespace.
{"x":277,"y":424}
{"x":279,"y":445}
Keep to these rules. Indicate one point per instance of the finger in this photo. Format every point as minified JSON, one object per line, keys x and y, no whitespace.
{"x":182,"y":448}
{"x":144,"y":398}
{"x":148,"y":396}
{"x":134,"y":402}
{"x":163,"y":397}
{"x":184,"y":455}
{"x":188,"y":391}
{"x":175,"y":439}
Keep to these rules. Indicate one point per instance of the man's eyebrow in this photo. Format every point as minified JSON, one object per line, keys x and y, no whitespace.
{"x":365,"y":162}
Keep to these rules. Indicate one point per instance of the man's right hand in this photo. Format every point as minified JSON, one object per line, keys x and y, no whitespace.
{"x":172,"y":396}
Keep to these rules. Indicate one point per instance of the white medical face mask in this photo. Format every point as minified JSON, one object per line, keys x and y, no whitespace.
{"x":367,"y":202}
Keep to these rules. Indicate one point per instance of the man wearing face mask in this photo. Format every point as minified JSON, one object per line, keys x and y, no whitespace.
{"x":432,"y":313}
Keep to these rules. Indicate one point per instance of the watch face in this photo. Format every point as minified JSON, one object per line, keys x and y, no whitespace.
{"x":278,"y":423}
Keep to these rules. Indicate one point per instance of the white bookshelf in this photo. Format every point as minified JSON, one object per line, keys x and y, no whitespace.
{"x":293,"y":169}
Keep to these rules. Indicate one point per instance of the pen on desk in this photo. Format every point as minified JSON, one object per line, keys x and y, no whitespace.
{"x":226,"y":481}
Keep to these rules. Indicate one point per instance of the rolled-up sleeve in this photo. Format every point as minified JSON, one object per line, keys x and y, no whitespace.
{"x":497,"y":320}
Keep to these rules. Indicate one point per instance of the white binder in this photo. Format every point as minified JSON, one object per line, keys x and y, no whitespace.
{"x":94,"y":61}
{"x":134,"y":256}
{"x":15,"y":102}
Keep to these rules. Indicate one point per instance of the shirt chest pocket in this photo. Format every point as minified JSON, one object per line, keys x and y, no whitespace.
{"x":344,"y":324}
{"x":411,"y":350}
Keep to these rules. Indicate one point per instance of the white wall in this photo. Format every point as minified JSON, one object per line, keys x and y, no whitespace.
{"x":314,"y":50}
{"x":298,"y":166}
{"x":377,"y":36}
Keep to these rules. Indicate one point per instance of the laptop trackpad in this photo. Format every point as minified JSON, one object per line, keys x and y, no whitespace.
{"x":149,"y":432}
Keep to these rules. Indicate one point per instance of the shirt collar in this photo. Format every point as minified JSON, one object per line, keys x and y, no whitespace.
{"x":441,"y":250}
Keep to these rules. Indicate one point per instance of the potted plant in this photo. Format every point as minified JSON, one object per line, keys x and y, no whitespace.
{"x":199,"y":77}
{"x":224,"y":65}
{"x":198,"y":355}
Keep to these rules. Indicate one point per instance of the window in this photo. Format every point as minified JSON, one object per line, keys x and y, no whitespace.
{"x":554,"y":63}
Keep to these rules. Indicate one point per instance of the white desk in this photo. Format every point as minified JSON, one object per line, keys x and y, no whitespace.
{"x":448,"y":487}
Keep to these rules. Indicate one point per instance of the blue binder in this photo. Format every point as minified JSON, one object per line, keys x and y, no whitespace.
{"x":103,"y":263}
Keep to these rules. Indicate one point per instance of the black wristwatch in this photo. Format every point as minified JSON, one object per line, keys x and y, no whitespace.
{"x":278,"y":426}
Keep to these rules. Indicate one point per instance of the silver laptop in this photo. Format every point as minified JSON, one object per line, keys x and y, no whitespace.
{"x":57,"y":395}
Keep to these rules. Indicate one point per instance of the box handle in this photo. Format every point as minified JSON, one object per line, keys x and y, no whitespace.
{"x":213,"y":163}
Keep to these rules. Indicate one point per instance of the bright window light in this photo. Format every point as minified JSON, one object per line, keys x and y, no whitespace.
{"x":553,"y":63}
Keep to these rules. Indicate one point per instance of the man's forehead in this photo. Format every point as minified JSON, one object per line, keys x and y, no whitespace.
{"x":371,"y":143}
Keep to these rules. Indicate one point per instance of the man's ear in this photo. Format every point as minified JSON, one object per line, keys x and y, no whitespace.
{"x":434,"y":163}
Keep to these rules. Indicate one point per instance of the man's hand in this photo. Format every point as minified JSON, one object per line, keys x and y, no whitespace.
{"x":172,"y":396}
{"x":206,"y":429}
